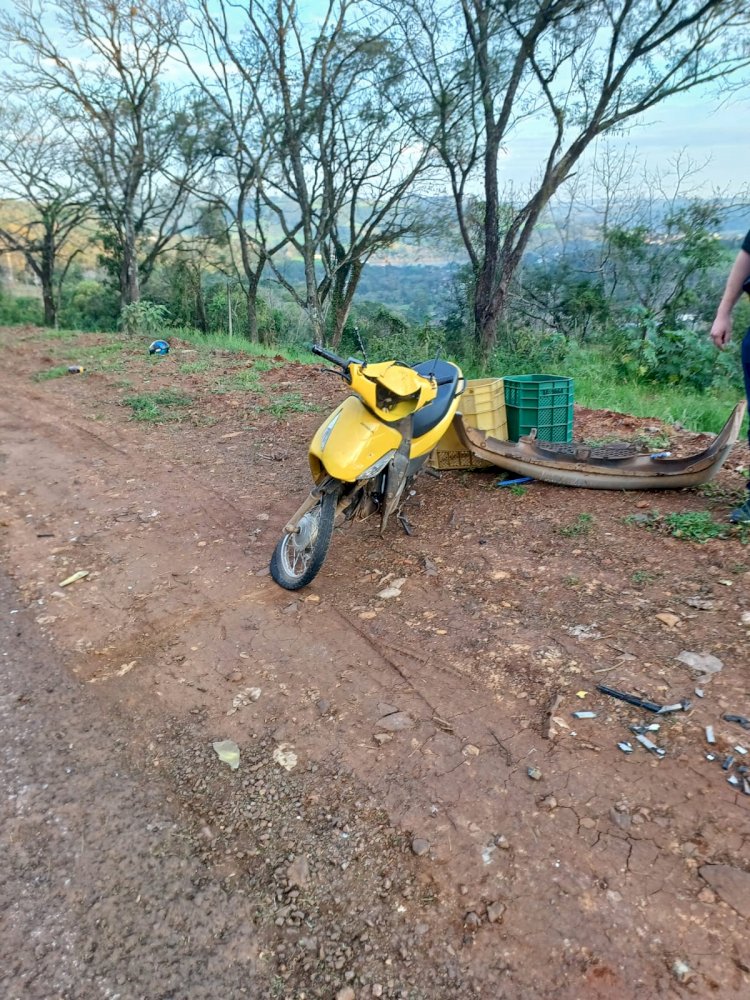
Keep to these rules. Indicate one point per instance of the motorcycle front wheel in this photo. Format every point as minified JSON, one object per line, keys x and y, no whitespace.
{"x":297,"y":558}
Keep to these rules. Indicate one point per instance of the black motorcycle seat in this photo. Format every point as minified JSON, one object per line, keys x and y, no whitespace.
{"x":431,"y":415}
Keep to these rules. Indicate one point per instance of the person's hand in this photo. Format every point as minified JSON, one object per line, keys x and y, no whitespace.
{"x":721,"y":331}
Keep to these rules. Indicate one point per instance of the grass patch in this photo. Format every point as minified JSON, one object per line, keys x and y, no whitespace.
{"x":286,"y":403}
{"x":694,"y":526}
{"x":581,"y":526}
{"x":246,"y":380}
{"x":195,"y":367}
{"x":210,"y":343}
{"x":641,"y":577}
{"x":691,"y":526}
{"x":597,"y":385}
{"x":47,"y":374}
{"x":150,"y":407}
{"x":45,"y":335}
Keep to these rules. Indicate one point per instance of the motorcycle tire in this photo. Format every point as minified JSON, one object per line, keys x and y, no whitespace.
{"x":297,"y":558}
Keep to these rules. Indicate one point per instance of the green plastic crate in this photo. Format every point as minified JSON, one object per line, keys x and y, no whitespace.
{"x":544,"y":402}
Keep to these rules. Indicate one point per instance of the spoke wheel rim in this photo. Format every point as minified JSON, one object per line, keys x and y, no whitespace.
{"x":297,"y":549}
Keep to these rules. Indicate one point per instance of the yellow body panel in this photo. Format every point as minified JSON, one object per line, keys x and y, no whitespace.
{"x":424,"y":445}
{"x":356,"y":440}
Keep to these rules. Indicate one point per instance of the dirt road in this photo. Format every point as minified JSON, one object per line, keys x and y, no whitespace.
{"x":407,"y":852}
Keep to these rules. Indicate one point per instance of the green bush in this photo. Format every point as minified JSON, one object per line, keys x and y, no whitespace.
{"x":144,"y":319}
{"x":386,"y":334}
{"x":678,"y":357}
{"x":89,"y":305}
{"x":20,"y":309}
{"x":524,"y":352}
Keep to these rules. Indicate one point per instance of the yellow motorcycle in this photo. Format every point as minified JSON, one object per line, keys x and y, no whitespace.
{"x":366,"y":453}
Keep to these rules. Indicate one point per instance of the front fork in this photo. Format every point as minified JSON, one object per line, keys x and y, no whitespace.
{"x":396,"y":476}
{"x":327,"y":485}
{"x":398,"y":472}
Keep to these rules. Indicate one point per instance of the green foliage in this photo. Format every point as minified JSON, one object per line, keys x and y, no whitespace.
{"x":50,"y":373}
{"x":581,"y":526}
{"x":177,"y":284}
{"x":144,"y":319}
{"x":288,"y":402}
{"x":21,"y":309}
{"x":690,"y":526}
{"x":673,"y":357}
{"x":694,"y":526}
{"x":89,"y":305}
{"x":524,"y":352}
{"x":641,"y":577}
{"x":600,"y":385}
{"x":568,"y":300}
{"x":663,"y":264}
{"x":149,"y":407}
{"x":518,"y":491}
{"x":388,"y":335}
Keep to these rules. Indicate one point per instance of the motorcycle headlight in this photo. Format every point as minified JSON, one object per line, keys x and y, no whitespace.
{"x":327,"y":431}
{"x":372,"y":470}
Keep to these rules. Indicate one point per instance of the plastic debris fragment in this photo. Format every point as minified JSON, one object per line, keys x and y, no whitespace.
{"x":646,"y":742}
{"x":228,"y":752}
{"x":285,"y":756}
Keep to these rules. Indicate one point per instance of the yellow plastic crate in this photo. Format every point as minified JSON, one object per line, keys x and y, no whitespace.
{"x":482,"y":406}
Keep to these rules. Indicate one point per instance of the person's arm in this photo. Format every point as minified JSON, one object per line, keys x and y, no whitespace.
{"x":721,"y":330}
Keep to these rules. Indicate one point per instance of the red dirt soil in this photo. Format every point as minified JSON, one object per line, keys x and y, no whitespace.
{"x":596,"y":881}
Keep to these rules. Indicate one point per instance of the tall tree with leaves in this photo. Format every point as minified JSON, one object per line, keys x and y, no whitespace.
{"x":579,"y":69}
{"x":44,"y":203}
{"x":103,"y":66}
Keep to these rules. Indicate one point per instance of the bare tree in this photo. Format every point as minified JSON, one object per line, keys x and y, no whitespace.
{"x":103,"y":65}
{"x":230,"y":87}
{"x":581,"y":69}
{"x":50,"y":204}
{"x":331,"y":172}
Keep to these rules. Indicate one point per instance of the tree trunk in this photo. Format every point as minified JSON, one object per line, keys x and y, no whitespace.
{"x":48,"y":297}
{"x":345,"y":283}
{"x":201,"y":319}
{"x":251,"y":299}
{"x":47,"y":277}
{"x":492,"y":291}
{"x":130,"y":288}
{"x":251,"y":303}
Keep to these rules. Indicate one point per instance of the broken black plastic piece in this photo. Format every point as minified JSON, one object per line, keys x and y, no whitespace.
{"x":741,"y":720}
{"x":631,"y":699}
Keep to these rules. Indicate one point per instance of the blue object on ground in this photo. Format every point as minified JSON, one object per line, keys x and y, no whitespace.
{"x":159,"y":347}
{"x":514,"y":482}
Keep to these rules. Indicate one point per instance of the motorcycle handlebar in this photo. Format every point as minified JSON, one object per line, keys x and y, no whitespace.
{"x":329,"y":356}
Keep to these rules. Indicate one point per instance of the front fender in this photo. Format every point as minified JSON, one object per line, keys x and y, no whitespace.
{"x":349,"y":441}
